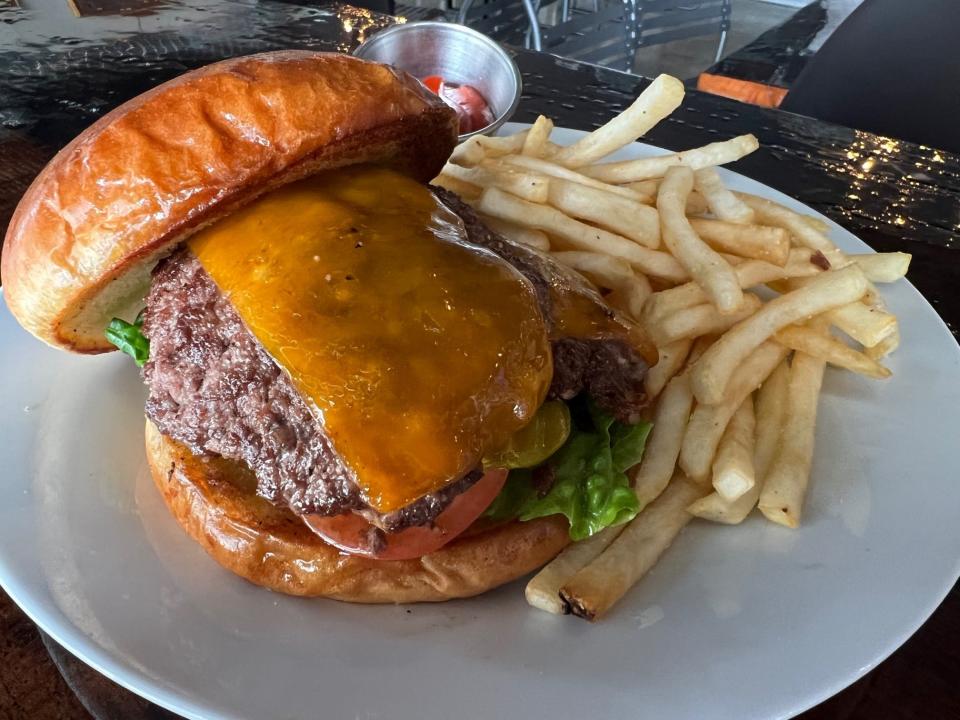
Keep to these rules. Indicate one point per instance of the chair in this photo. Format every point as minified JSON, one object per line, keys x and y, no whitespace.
{"x":663,"y":21}
{"x":604,"y":35}
{"x":608,"y":33}
{"x":513,"y":22}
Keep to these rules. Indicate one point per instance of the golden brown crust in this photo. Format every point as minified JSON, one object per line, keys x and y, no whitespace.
{"x":213,"y":501}
{"x":86,"y":234}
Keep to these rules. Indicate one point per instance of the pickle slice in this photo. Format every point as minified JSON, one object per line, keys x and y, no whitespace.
{"x":535,"y":442}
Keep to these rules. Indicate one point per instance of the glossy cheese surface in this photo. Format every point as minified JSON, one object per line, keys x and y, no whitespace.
{"x":416,"y":350}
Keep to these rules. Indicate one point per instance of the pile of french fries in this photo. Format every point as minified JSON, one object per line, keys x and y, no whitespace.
{"x":746,"y":300}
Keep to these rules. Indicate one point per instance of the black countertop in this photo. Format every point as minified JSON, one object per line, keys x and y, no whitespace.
{"x":64,"y":64}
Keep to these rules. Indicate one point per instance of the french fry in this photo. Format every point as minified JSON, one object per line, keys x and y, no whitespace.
{"x":551,"y":169}
{"x":733,"y":471}
{"x":527,"y":185}
{"x":872,"y":298}
{"x":467,"y":191}
{"x":759,"y":242}
{"x":869,"y":326}
{"x":647,"y":191}
{"x":886,"y":346}
{"x":771,"y":213}
{"x":468,"y":153}
{"x":731,"y":260}
{"x":804,"y":262}
{"x":749,"y":274}
{"x":620,"y":215}
{"x":632,"y":296}
{"x":781,"y":499}
{"x":722,"y":203}
{"x":538,"y":138}
{"x":571,"y":234}
{"x":696,"y":205}
{"x":825,"y":347}
{"x":718,"y":153}
{"x":715,"y":509}
{"x":543,"y":590}
{"x":821,"y":226}
{"x":499,"y":145}
{"x":604,"y":271}
{"x":699,"y":320}
{"x":663,"y":446}
{"x":474,"y":149}
{"x":657,"y":101}
{"x":708,"y":422}
{"x":699,"y":348}
{"x":771,"y":403}
{"x":672,"y":300}
{"x":646,"y":187}
{"x":770,"y":410}
{"x":595,"y":589}
{"x":672,"y":357}
{"x":629,"y":290}
{"x":518,"y":233}
{"x":707,"y":269}
{"x":883,"y":267}
{"x":824,"y":292}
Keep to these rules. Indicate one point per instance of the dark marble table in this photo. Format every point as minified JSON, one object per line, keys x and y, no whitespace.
{"x":63,"y":64}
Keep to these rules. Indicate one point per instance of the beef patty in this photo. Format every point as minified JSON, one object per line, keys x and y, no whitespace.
{"x":608,"y":370}
{"x":215,"y":389}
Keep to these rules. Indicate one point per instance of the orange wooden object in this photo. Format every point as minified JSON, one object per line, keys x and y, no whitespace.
{"x":746,"y":91}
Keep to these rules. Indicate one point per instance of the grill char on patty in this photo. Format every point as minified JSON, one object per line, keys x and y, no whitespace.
{"x":214,"y":388}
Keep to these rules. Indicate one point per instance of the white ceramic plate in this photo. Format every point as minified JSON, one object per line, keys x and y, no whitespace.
{"x":755,"y":621}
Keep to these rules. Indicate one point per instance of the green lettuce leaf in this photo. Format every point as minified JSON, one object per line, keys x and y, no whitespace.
{"x":627,"y":443}
{"x":590,"y":487}
{"x":129,"y":338}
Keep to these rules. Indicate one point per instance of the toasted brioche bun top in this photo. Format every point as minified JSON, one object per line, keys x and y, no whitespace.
{"x":125,"y":192}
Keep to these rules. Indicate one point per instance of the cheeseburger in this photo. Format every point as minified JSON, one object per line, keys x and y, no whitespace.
{"x":356,"y":389}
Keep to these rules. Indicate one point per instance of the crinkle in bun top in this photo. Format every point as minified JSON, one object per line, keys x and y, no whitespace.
{"x":87,"y":233}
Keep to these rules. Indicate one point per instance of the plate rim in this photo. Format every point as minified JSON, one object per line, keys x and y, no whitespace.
{"x":60,"y":628}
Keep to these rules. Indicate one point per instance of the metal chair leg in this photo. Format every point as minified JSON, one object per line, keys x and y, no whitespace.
{"x":531,"y":10}
{"x":721,"y":45}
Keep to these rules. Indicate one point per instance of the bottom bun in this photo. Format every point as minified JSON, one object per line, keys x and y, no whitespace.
{"x":214,"y":501}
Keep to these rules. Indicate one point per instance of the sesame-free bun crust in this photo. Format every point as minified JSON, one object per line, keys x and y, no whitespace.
{"x":125,"y":192}
{"x":213,"y":500}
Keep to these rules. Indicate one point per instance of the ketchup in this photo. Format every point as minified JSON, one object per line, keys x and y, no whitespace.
{"x":471,"y":106}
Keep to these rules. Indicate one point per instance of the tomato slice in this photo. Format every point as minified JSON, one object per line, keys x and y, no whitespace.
{"x":348,"y":532}
{"x":434,"y":83}
{"x":472,"y":107}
